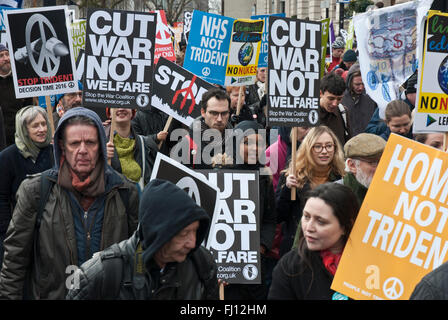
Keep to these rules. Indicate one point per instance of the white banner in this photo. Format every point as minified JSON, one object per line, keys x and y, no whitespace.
{"x":387,"y":45}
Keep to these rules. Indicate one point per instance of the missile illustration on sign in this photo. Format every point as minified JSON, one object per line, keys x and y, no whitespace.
{"x":43,"y":50}
{"x":53,"y":45}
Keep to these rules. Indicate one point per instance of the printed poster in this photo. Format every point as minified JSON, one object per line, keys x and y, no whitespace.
{"x":208,"y":46}
{"x":204,"y":193}
{"x":78,"y":33}
{"x":432,"y":85}
{"x":244,"y":51}
{"x":235,"y":239}
{"x":263,"y":56}
{"x":294,"y":69}
{"x":119,"y":58}
{"x":41,"y":52}
{"x":403,"y":236}
{"x":164,"y":44}
{"x":387,"y":46}
{"x":178,"y":92}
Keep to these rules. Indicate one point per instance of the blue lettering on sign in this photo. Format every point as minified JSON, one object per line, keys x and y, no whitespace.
{"x":372,"y":80}
{"x":386,"y":94}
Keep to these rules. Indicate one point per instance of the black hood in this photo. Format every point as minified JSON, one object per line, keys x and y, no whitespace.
{"x":164,"y":211}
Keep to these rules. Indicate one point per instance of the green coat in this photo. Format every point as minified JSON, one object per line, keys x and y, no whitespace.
{"x":57,"y":240}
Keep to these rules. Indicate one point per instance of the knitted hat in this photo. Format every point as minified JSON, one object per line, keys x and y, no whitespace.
{"x":2,"y":47}
{"x":338,"y":43}
{"x":349,"y":56}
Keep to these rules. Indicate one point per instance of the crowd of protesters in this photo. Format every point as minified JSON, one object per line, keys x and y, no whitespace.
{"x":83,"y":196}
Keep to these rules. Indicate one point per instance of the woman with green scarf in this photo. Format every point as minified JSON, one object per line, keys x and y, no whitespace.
{"x":32,"y":153}
{"x":130,"y":154}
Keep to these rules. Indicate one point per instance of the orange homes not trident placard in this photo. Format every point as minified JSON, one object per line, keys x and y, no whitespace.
{"x":401,"y":232}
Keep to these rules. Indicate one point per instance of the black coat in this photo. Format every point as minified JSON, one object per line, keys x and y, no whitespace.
{"x":178,"y":281}
{"x":293,"y":280}
{"x":10,"y":105}
{"x":14,"y":170}
{"x":2,"y":131}
{"x":433,"y":286}
{"x":152,"y":121}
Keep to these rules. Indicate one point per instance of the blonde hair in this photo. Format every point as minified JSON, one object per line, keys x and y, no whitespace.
{"x":305,"y":167}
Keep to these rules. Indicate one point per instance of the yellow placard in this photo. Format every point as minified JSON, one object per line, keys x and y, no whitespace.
{"x":401,"y":231}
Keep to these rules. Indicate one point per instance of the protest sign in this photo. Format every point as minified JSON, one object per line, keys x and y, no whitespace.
{"x":204,"y":193}
{"x":387,"y":43}
{"x":164,"y":46}
{"x":400,"y":233}
{"x":2,"y":17}
{"x":178,"y":92}
{"x":294,"y":68}
{"x":119,"y":56}
{"x":235,"y":239}
{"x":244,"y":51}
{"x":263,"y":56}
{"x":432,"y":113}
{"x":350,"y":35}
{"x":208,"y":46}
{"x":325,"y":27}
{"x":188,"y":17}
{"x":78,"y":33}
{"x":41,"y":51}
{"x":16,"y":4}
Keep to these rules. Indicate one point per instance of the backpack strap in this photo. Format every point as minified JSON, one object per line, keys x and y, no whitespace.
{"x":45,"y":189}
{"x":112,"y":261}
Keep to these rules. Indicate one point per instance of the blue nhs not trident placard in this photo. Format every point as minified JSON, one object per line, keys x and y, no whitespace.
{"x":263,"y":58}
{"x":208,"y":46}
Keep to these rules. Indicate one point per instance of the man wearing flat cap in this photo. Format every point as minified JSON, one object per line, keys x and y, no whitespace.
{"x":362,"y":154}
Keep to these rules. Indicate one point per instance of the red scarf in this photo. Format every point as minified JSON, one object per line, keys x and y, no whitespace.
{"x":330,"y":260}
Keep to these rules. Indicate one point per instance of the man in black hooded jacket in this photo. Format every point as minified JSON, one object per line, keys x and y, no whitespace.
{"x":162,"y":260}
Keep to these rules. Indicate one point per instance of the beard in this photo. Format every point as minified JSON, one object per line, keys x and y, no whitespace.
{"x":363,"y":178}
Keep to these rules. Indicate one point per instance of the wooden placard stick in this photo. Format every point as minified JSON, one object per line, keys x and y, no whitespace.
{"x":112,"y":129}
{"x":238,"y":107}
{"x":292,"y":166}
{"x":167,"y":126}
{"x":50,"y":113}
{"x":445,"y":137}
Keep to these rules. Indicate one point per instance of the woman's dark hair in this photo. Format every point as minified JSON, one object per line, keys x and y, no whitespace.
{"x":345,"y":207}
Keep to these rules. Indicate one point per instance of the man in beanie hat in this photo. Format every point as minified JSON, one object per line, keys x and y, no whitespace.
{"x":9,"y":105}
{"x":162,"y":260}
{"x":337,"y":49}
{"x":348,"y":59}
{"x":360,"y":107}
{"x":362,"y":154}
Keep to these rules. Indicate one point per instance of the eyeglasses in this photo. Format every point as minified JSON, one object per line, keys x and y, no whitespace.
{"x":215,"y":114}
{"x":319,"y":147}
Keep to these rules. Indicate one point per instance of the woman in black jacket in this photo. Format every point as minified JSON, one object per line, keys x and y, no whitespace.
{"x":32,"y":153}
{"x":249,"y":155}
{"x":306,"y":273}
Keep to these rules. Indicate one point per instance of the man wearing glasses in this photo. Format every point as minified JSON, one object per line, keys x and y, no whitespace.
{"x":207,"y":135}
{"x":362,"y":153}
